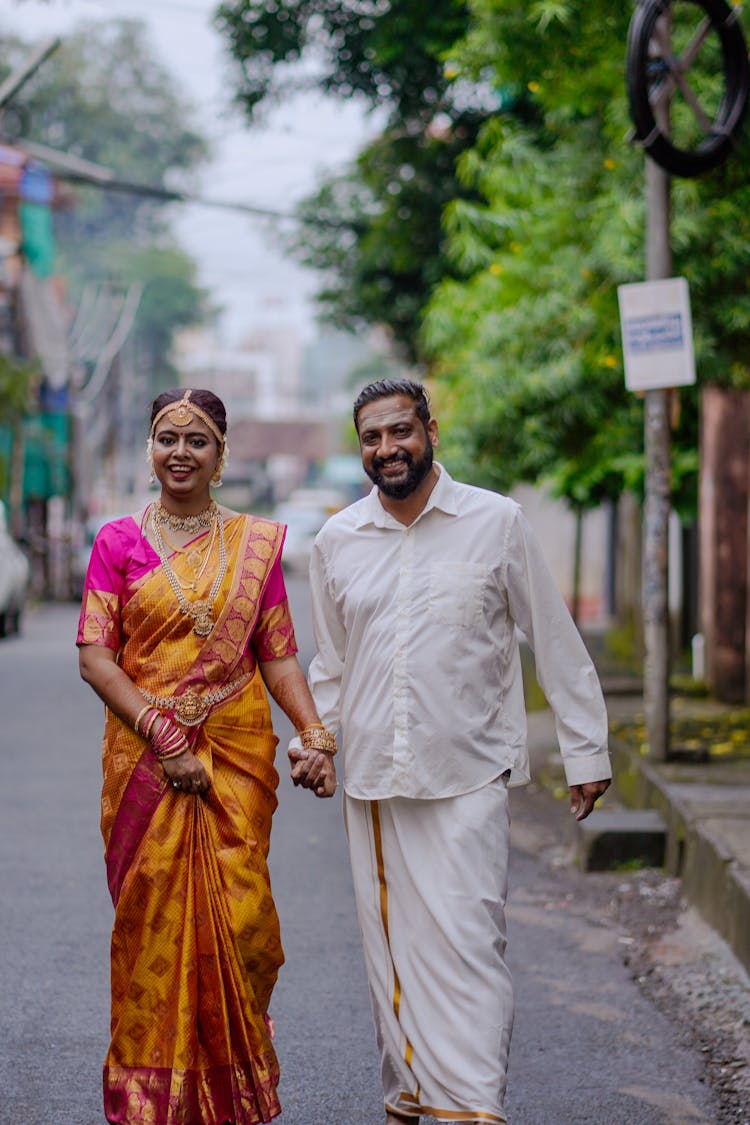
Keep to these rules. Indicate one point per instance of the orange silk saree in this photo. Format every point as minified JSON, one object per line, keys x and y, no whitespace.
{"x":196,"y":947}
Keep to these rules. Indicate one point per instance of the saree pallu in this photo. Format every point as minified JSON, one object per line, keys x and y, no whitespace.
{"x":196,"y":946}
{"x":430,"y":880}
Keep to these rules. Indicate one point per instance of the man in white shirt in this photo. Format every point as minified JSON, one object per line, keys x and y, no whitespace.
{"x":418,"y":592}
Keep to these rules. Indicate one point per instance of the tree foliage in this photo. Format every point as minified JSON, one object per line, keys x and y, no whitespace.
{"x":16,"y":380}
{"x":543,"y":217}
{"x":383,"y":251}
{"x":381,"y":248}
{"x":388,"y":51}
{"x":528,"y":342}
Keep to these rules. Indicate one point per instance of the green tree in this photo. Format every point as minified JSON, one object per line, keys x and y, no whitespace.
{"x":391,"y":54}
{"x":528,"y":341}
{"x":381,"y":245}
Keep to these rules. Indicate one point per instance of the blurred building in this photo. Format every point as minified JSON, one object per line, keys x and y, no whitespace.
{"x":75,"y":414}
{"x":288,"y":403}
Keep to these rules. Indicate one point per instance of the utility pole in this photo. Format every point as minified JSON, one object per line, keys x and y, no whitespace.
{"x":658,"y":457}
{"x":16,"y":80}
{"x":656,"y":75}
{"x":658,"y":481}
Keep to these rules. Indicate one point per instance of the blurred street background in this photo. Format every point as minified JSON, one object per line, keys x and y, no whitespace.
{"x":590,"y":1044}
{"x":282,"y":202}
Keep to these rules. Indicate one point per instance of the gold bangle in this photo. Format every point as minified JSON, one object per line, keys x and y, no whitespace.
{"x":156,"y":715}
{"x":138,"y":718}
{"x":170,"y":753}
{"x":316,"y":737}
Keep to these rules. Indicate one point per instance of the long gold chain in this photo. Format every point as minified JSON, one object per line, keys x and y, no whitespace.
{"x":194,"y":557}
{"x":200,"y":610}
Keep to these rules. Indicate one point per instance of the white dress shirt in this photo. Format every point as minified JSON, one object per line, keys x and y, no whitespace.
{"x":417,"y":666}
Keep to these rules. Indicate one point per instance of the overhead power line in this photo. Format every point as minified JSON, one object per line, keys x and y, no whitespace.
{"x":168,"y":195}
{"x":73,"y":169}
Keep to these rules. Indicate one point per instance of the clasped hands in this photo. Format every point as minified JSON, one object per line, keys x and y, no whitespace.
{"x":313,"y":769}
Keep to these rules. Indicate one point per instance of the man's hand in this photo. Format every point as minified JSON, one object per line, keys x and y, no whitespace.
{"x":584,"y":797}
{"x":313,"y":769}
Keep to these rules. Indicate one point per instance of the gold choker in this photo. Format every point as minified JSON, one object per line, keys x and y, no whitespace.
{"x":193,"y":523}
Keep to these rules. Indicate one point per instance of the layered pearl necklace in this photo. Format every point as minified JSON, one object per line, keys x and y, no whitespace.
{"x":200,"y":611}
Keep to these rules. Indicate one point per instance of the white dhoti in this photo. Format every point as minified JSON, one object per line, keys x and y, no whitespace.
{"x":430,"y":878}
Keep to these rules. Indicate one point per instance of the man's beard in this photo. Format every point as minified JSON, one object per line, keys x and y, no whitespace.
{"x":405,"y":486}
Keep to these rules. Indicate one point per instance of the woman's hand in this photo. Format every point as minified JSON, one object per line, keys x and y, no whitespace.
{"x":170,"y":746}
{"x":187,"y":772}
{"x":313,"y":769}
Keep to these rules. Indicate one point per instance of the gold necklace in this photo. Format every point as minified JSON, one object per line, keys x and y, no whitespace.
{"x":192,"y":523}
{"x":194,"y":557}
{"x":201,"y":610}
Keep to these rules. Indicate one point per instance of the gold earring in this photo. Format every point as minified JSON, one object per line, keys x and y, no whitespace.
{"x":216,"y":480}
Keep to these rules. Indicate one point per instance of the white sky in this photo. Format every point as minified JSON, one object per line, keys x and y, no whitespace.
{"x":270,"y":166}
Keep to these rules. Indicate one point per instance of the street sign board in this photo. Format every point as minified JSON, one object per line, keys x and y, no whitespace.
{"x":657,"y":334}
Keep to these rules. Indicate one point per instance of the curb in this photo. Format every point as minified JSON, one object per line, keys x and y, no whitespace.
{"x":712,"y":879}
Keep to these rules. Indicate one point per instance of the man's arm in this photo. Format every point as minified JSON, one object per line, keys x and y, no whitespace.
{"x":286,"y":683}
{"x":564,"y":668}
{"x":327,"y":666}
{"x":324,"y":674}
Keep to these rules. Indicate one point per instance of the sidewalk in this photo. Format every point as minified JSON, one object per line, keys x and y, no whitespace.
{"x":702,"y":806}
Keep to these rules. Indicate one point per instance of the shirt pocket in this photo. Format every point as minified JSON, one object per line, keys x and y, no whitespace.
{"x":457,"y":593}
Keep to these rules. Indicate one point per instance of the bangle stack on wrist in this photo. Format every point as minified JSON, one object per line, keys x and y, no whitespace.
{"x":167,"y":740}
{"x":144,"y":724}
{"x":316,"y":737}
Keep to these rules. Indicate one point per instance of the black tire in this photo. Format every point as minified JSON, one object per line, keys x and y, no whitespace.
{"x":722,"y":139}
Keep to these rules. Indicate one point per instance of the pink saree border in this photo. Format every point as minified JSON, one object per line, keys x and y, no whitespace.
{"x":143,"y":794}
{"x":262,"y":542}
{"x":243,"y":1093}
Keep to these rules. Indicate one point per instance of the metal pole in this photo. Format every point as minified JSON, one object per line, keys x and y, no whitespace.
{"x":16,"y":80}
{"x":658,"y":477}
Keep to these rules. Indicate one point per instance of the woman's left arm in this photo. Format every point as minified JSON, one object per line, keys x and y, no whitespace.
{"x":285,"y":680}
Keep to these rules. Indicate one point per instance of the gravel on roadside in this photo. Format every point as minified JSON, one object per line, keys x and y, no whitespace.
{"x":684,"y":967}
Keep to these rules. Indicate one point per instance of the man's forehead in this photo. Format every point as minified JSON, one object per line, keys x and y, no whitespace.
{"x":386,"y":412}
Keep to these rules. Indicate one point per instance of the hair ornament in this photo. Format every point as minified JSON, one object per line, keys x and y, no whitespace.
{"x":182,"y":413}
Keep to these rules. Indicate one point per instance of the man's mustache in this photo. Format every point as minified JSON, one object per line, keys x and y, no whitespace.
{"x":397,"y":459}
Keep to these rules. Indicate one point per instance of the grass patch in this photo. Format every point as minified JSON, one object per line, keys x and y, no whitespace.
{"x":721,"y":735}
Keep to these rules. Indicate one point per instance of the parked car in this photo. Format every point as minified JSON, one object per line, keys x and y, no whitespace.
{"x":14,"y":579}
{"x":304,"y":513}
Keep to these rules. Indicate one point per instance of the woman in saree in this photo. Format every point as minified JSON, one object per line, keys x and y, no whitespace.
{"x":184,"y":629}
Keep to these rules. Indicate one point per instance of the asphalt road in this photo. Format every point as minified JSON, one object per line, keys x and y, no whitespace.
{"x":588,"y":1046}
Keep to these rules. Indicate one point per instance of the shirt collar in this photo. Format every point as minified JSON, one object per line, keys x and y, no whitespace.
{"x":443,"y":497}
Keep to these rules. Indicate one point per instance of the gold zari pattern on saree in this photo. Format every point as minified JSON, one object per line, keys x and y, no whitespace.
{"x":196,"y":946}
